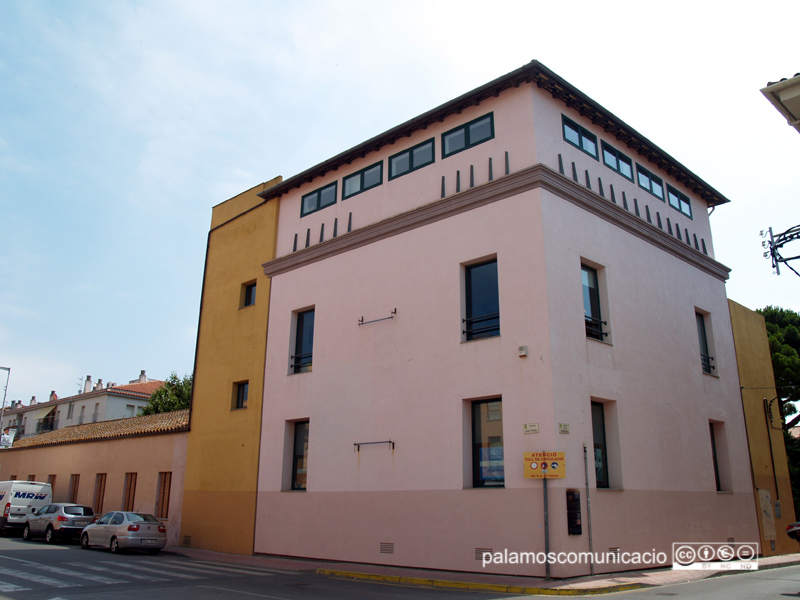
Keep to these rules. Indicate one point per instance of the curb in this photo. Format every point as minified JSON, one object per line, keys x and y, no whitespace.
{"x":479,"y":587}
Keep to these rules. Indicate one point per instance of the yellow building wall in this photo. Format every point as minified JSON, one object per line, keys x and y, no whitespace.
{"x":767,"y":449}
{"x":219,"y":500}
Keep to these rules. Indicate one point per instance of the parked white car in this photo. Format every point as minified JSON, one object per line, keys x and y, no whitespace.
{"x":119,"y":530}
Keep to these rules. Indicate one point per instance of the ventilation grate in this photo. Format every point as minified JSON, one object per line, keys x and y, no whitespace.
{"x":187,"y":540}
{"x":387,"y":547}
{"x":613,"y":554}
{"x":479,"y":552}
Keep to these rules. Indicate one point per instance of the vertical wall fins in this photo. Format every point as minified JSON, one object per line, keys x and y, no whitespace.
{"x":613,"y":197}
{"x":588,"y":181}
{"x":669,"y":226}
{"x":658,"y":218}
{"x":443,"y":186}
{"x":491,"y":172}
{"x":335,"y":227}
{"x":560,"y":164}
{"x":636,"y":207}
{"x":322,"y":232}
{"x":624,"y":201}
{"x":508,"y":169}
{"x":696,"y":245}
{"x":471,"y":176}
{"x":294,"y":247}
{"x":350,"y":223}
{"x":574,"y":173}
{"x":308,"y":237}
{"x":600,"y":187}
{"x":647,"y":212}
{"x":705,"y":251}
{"x":458,"y":181}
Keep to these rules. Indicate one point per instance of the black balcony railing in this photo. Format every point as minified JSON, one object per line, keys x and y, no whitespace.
{"x":46,"y":425}
{"x":482,"y":326}
{"x":301,"y":363}
{"x":705,"y":360}
{"x":594,"y":328}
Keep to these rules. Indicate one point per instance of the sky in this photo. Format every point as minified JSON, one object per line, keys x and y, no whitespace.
{"x":123,"y":123}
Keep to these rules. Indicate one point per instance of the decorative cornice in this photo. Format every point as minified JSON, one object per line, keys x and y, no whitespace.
{"x":533,"y":72}
{"x":537,"y":176}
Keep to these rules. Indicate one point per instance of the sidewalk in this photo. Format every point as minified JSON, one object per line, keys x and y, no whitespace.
{"x":578,"y":586}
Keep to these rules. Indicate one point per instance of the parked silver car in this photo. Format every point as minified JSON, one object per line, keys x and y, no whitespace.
{"x":57,"y":521}
{"x":119,"y":530}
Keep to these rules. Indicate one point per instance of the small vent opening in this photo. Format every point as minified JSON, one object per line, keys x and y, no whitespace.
{"x":187,"y":540}
{"x":479,"y":552}
{"x":387,"y":547}
{"x":614,"y":554}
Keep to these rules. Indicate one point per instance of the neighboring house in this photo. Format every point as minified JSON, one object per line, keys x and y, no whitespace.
{"x":125,"y":464}
{"x":96,"y":403}
{"x":785,"y":96}
{"x":515,"y":271}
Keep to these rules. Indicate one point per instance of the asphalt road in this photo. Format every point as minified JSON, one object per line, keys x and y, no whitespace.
{"x":37,"y":571}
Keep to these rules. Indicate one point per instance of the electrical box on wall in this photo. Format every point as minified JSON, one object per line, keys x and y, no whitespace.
{"x":523,"y":351}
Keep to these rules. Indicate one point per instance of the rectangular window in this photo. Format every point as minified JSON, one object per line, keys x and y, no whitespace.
{"x":31,"y":477}
{"x":162,"y":494}
{"x":714,"y":456}
{"x":129,"y":491}
{"x":591,"y":304}
{"x":679,"y":201}
{"x":487,"y":444}
{"x":468,"y":135}
{"x":318,"y":199}
{"x":51,"y":479}
{"x":362,"y":181}
{"x":706,"y":359}
{"x":99,"y":493}
{"x":651,"y":183}
{"x":600,"y":451}
{"x":13,"y":478}
{"x":574,"y":512}
{"x":248,"y":294}
{"x":412,"y":159}
{"x":130,"y":410}
{"x":616,"y":160}
{"x":240,"y":391}
{"x":70,"y":410}
{"x":81,"y":417}
{"x":300,"y":458}
{"x":482,"y":300}
{"x":579,"y":137}
{"x":304,"y":342}
{"x":74,"y":483}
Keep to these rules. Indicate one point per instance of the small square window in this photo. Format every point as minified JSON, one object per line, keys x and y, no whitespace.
{"x":318,"y":199}
{"x":617,"y":161}
{"x":650,"y":182}
{"x":468,"y":135}
{"x":248,"y":294}
{"x":412,"y":159}
{"x":240,"y":391}
{"x":365,"y":179}
{"x":679,"y":202}
{"x":579,"y":137}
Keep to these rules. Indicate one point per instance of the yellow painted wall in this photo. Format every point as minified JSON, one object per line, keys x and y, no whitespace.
{"x":758,"y":382}
{"x":219,"y":501}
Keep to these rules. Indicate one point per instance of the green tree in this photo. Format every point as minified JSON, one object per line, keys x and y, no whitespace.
{"x":783,"y":330}
{"x":175,"y":394}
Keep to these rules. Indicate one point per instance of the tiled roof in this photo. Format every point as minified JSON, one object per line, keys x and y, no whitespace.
{"x":132,"y":390}
{"x":170,"y":422}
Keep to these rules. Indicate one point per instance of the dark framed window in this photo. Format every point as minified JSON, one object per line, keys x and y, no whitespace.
{"x":304,"y":342}
{"x":362,"y":181}
{"x":248,"y":295}
{"x":714,"y":456}
{"x":591,"y":304}
{"x":162,"y":494}
{"x":468,"y":135}
{"x":318,"y":199}
{"x":599,"y":436}
{"x":651,"y":183}
{"x":482,"y":301}
{"x":300,"y":456}
{"x":678,"y":201}
{"x":129,"y":491}
{"x":705,"y":358}
{"x":412,"y":159}
{"x":241,"y":390}
{"x":616,"y":160}
{"x":99,"y":492}
{"x":574,"y":512}
{"x":488,"y":468}
{"x":579,"y":137}
{"x":74,"y":484}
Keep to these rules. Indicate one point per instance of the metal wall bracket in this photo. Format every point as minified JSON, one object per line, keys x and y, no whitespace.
{"x":361,"y":320}
{"x":357,"y":446}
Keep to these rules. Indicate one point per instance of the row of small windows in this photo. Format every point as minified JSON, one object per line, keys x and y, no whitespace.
{"x":614,"y":159}
{"x":454,"y":141}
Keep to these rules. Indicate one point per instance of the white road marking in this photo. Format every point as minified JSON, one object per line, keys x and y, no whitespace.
{"x":259,"y":569}
{"x":211,"y":566}
{"x":78,"y":574}
{"x":37,"y":578}
{"x":151,"y":570}
{"x":10,"y":587}
{"x":240,"y":592}
{"x":107,"y":570}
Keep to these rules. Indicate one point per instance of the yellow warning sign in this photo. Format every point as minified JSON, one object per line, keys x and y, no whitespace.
{"x":544,"y":465}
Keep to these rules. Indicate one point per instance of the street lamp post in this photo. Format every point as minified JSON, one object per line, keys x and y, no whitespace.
{"x":5,"y":391}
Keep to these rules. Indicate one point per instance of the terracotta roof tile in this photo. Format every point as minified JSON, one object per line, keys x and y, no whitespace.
{"x":106,"y":430}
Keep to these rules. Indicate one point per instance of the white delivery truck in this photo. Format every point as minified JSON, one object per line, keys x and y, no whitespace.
{"x":19,"y":499}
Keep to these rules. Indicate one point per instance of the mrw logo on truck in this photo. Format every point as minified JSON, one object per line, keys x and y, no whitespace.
{"x":31,"y":495}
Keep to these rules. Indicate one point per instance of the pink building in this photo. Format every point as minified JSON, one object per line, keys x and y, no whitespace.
{"x":514,"y":271}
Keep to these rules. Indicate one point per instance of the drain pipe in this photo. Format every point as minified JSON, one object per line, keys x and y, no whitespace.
{"x":588,"y":509}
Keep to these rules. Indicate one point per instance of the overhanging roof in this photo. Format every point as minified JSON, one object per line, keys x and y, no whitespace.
{"x":533,"y":72}
{"x":785,"y":96}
